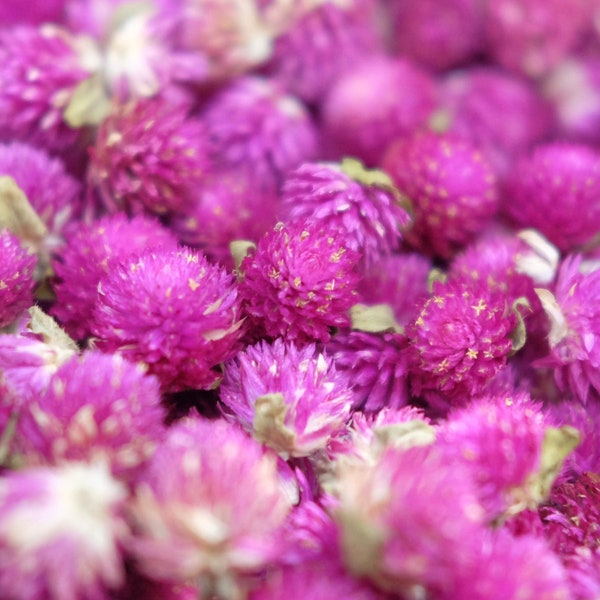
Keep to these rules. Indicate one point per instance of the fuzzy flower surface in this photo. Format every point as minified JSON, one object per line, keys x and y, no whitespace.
{"x":191,"y":519}
{"x":362,"y":204}
{"x":173,"y":311}
{"x":551,"y":187}
{"x":60,"y":533}
{"x":148,"y":157}
{"x":451,"y":186}
{"x":299,"y":282}
{"x":96,"y":407}
{"x":460,"y":339}
{"x":17,"y":267}
{"x":292,"y":399}
{"x":89,"y":253}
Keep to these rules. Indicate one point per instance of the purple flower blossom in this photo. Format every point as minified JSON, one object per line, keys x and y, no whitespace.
{"x":299,"y":283}
{"x":172,"y":310}
{"x":292,"y":399}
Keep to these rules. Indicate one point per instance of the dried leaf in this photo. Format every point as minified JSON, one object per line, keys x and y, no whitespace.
{"x":17,"y":215}
{"x":558,"y":323}
{"x":270,"y":411}
{"x":374,"y":319}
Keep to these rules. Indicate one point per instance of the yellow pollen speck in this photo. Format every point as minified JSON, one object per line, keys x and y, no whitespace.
{"x":488,"y":354}
{"x":439,"y":300}
{"x":297,"y":281}
{"x":443,"y":366}
{"x":194,"y":285}
{"x":472,"y":353}
{"x":304,"y":235}
{"x":335,"y":257}
{"x":273,"y":273}
{"x":479,"y":307}
{"x":419,"y":322}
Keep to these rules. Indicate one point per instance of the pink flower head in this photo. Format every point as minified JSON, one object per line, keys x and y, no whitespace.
{"x":172,"y":310}
{"x":551,"y":188}
{"x":17,"y":267}
{"x":377,"y":367}
{"x":148,"y":157}
{"x":574,"y":338}
{"x":41,"y":68}
{"x":373,"y":104}
{"x":300,"y":282}
{"x":531,"y":36}
{"x":327,"y":41}
{"x":90,"y":252}
{"x":210,"y":506}
{"x":292,"y":399}
{"x":460,"y":339}
{"x":96,"y":407}
{"x":60,"y":533}
{"x":363,"y":205}
{"x":15,"y":12}
{"x":255,"y":128}
{"x":408,"y":520}
{"x":475,"y":96}
{"x":451,"y":186}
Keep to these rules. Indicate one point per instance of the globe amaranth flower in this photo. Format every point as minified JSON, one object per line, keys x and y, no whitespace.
{"x":551,"y":187}
{"x":363,"y":205}
{"x":299,"y":282}
{"x":41,"y":69}
{"x":451,"y":186}
{"x":255,"y":128}
{"x":96,"y":407}
{"x":172,"y":310}
{"x":291,"y":399}
{"x":60,"y":533}
{"x":460,"y":339}
{"x":573,"y":341}
{"x":89,"y":253}
{"x":17,"y":267}
{"x":149,"y":156}
{"x":373,"y":104}
{"x":190,"y":519}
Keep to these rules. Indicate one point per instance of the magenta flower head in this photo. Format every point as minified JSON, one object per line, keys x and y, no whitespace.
{"x":551,"y":188}
{"x":254,"y":127}
{"x":51,"y":191}
{"x":574,"y":339}
{"x":175,"y":312}
{"x":14,"y":12}
{"x":89,"y":253}
{"x":451,"y":186}
{"x":190,"y":519}
{"x":327,"y":41}
{"x":60,"y":533}
{"x":437,"y":35}
{"x":408,"y":520}
{"x":41,"y":69}
{"x":17,"y":266}
{"x":460,"y":339}
{"x":148,"y":157}
{"x":96,"y":407}
{"x":363,"y":205}
{"x":291,"y":399}
{"x":373,"y":104}
{"x":299,"y":282}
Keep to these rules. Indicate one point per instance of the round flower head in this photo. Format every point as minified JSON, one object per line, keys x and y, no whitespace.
{"x":377,"y":366}
{"x":90,"y":252}
{"x":574,"y":338}
{"x":327,"y":41}
{"x":474,"y":97}
{"x":52,"y":192}
{"x":172,"y":310}
{"x":255,"y":128}
{"x":291,"y":399}
{"x":191,"y":519}
{"x":378,"y":101}
{"x":551,"y":188}
{"x":299,"y":282}
{"x":437,"y":35}
{"x":409,"y":520}
{"x":60,"y":532}
{"x":531,"y":36}
{"x":451,"y":187}
{"x":148,"y":157}
{"x":363,"y":205}
{"x":17,"y":266}
{"x":460,"y":339}
{"x":41,"y":68}
{"x":96,"y":407}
